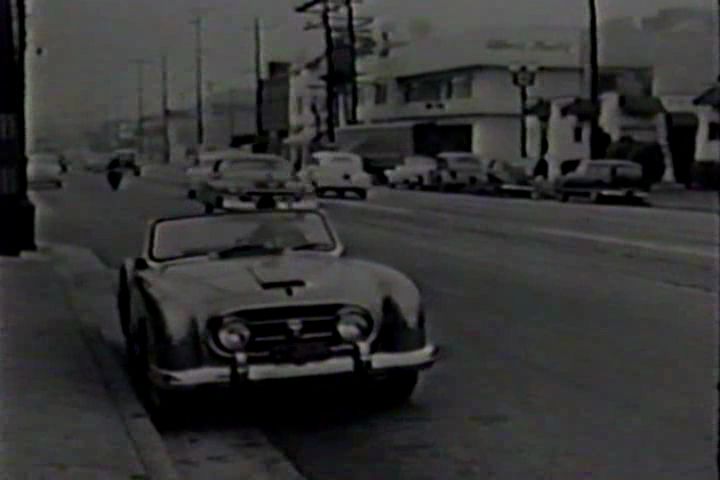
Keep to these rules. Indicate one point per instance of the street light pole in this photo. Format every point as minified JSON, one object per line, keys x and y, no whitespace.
{"x":259,"y":127}
{"x":523,"y":77}
{"x":165,"y":111}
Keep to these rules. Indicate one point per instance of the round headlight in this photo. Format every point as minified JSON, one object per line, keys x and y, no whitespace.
{"x":233,"y":337}
{"x":353,"y":326}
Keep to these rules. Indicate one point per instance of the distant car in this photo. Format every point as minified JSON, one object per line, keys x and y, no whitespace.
{"x":337,"y":172}
{"x":46,"y":170}
{"x":603,"y":179}
{"x":415,"y":172}
{"x":237,"y":298}
{"x":458,"y":170}
{"x":512,"y":177}
{"x":248,"y":181}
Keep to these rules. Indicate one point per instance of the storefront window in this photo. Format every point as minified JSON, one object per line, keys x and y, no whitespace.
{"x":462,"y":86}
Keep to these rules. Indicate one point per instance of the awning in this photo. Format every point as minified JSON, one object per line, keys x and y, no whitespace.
{"x":641,"y":106}
{"x":581,"y":108}
{"x":709,"y":98}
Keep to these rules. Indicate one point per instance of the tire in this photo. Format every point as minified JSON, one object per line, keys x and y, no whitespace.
{"x":123,"y":303}
{"x":159,"y":403}
{"x":209,"y":208}
{"x":397,"y":389}
{"x":564,"y":197}
{"x":391,"y":185}
{"x":420,"y":183}
{"x":192,"y":194}
{"x":219,"y":201}
{"x":320,"y":192}
{"x":362,"y":194}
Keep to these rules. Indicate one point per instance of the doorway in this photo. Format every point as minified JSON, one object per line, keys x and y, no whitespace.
{"x":681,"y":135}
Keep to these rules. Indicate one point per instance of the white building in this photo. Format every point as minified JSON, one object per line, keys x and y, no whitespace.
{"x":467,"y":80}
{"x":707,"y":141}
{"x":307,"y":110}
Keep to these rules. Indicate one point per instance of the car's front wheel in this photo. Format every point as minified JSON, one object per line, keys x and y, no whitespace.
{"x":397,"y":388}
{"x":192,"y":194}
{"x":209,"y":207}
{"x":362,"y":194}
{"x":158,"y":402}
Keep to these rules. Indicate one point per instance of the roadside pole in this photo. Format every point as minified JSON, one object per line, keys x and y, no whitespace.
{"x":17,"y":213}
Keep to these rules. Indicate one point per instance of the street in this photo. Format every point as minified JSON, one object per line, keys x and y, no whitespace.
{"x":579,"y":341}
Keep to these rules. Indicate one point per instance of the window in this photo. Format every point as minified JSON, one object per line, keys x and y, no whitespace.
{"x":462,"y":86}
{"x":381,"y":93}
{"x":714,"y":132}
{"x":578,"y":134}
{"x":424,"y":90}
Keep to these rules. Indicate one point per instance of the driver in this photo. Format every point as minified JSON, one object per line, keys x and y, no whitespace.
{"x":277,"y":233}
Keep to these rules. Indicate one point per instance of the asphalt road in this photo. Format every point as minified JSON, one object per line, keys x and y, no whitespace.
{"x":580,"y":341}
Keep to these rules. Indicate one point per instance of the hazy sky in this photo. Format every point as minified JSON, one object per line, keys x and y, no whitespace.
{"x":85,"y":72}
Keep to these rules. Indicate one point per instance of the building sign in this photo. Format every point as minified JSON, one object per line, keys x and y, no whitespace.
{"x":532,"y":46}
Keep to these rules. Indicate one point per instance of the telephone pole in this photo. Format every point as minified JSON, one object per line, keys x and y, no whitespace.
{"x":259,"y":127}
{"x":17,"y":213}
{"x":199,"y":80}
{"x":165,"y":111}
{"x":140,"y":64}
{"x":352,"y":45}
{"x":329,"y":60}
{"x":594,"y":81}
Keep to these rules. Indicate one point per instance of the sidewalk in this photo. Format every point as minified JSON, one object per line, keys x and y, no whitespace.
{"x":679,"y":198}
{"x":58,"y":417}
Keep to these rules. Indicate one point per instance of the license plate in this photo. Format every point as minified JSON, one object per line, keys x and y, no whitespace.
{"x":301,"y":352}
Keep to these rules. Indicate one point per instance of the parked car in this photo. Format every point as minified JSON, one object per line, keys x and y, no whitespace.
{"x":511,"y":177}
{"x":338,"y":172}
{"x":209,"y":164}
{"x":415,"y":172}
{"x":232,"y":299}
{"x":249,"y":181}
{"x":601,"y":180}
{"x":46,"y":170}
{"x":458,"y":170}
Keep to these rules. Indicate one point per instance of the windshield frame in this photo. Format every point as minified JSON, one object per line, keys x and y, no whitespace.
{"x":150,"y":241}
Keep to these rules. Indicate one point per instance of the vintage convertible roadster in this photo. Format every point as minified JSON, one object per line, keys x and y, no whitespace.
{"x":230,"y":299}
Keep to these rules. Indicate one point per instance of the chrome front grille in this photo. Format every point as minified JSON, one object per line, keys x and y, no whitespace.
{"x":275,"y":329}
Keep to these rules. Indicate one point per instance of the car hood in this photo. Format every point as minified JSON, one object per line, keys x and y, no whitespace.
{"x":219,"y":286}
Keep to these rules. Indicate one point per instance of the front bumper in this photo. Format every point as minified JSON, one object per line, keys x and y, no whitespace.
{"x":367,"y":364}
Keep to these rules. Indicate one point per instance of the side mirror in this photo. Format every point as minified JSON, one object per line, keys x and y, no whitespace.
{"x":141,"y":264}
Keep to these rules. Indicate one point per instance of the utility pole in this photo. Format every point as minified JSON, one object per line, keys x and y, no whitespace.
{"x":352,"y":45}
{"x":259,"y":126}
{"x":17,"y":213}
{"x":330,"y":81}
{"x":165,"y":111}
{"x":199,"y":80}
{"x":594,"y":82}
{"x":329,"y":60}
{"x":140,"y":64}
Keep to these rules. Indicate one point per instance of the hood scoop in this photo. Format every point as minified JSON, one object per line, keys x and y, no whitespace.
{"x":267,"y":279}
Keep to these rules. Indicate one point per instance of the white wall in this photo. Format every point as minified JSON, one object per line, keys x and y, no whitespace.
{"x":300,"y":87}
{"x":534,"y":137}
{"x":497,"y":137}
{"x":561,"y":139}
{"x":706,"y":151}
{"x":557,"y":83}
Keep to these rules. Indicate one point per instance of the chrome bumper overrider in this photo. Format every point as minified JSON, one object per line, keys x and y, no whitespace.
{"x":376,"y":363}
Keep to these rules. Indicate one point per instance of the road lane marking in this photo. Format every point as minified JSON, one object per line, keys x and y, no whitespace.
{"x":658,"y":247}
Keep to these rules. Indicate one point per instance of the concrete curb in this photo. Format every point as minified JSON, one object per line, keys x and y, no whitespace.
{"x":73,"y":263}
{"x":79,"y":265}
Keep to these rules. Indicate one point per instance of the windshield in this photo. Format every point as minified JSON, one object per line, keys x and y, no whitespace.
{"x":465,"y":161}
{"x":254,"y":164}
{"x":197,"y":236}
